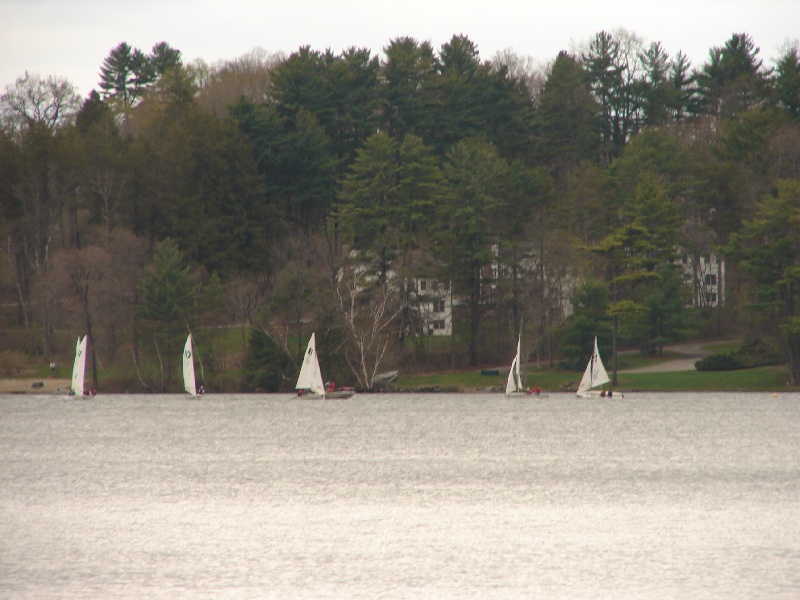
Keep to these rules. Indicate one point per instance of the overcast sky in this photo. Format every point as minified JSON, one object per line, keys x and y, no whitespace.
{"x":70,"y":38}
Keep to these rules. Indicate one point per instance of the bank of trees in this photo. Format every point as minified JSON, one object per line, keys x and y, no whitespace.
{"x":291,"y":192}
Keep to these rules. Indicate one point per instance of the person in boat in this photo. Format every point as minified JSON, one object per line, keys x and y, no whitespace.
{"x":92,"y":392}
{"x":201,"y":390}
{"x":603,"y":393}
{"x":610,"y":393}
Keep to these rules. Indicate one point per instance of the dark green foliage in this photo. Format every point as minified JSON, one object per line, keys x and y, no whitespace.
{"x":479,"y":180}
{"x":787,"y":82}
{"x":408,"y":96}
{"x":568,"y":118}
{"x":663,"y":319}
{"x":733,"y":80}
{"x":94,"y":110}
{"x":295,"y":157}
{"x":163,"y":58}
{"x":605,"y":65}
{"x":759,"y":353}
{"x":125,"y":74}
{"x":719,"y":362}
{"x":11,"y":161}
{"x":196,"y":182}
{"x":331,"y":342}
{"x":589,"y":319}
{"x":267,"y":363}
{"x":167,"y":295}
{"x":388,"y":198}
{"x":767,"y":248}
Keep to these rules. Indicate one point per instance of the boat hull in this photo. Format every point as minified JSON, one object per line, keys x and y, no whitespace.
{"x":329,"y":396}
{"x":598,"y":394}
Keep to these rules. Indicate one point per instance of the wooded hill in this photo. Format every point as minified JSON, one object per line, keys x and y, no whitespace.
{"x":276,"y":195}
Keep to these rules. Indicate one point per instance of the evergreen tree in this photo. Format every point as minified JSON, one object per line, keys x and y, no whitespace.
{"x":733,"y":80}
{"x":567,"y":119}
{"x":125,"y":74}
{"x":479,"y":183}
{"x":611,"y":76}
{"x":194,"y":180}
{"x":163,"y":58}
{"x":355,"y":93}
{"x":589,"y":319}
{"x":787,"y":82}
{"x":409,"y":92}
{"x":657,"y":91}
{"x":167,"y":298}
{"x":767,"y":249}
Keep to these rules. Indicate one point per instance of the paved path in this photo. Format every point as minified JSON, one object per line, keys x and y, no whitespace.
{"x":692,"y":353}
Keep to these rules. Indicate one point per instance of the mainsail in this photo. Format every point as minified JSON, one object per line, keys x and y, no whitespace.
{"x":595,"y":373}
{"x":514,"y":383}
{"x":310,"y":377}
{"x":79,"y":367}
{"x":188,"y":368}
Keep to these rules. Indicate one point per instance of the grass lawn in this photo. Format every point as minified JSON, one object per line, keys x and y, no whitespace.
{"x":757,"y":379}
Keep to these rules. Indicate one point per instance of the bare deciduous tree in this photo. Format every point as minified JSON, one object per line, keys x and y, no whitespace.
{"x":367,"y":307}
{"x":32,"y":100}
{"x":248,"y":76}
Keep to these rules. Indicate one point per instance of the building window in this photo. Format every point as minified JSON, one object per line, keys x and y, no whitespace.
{"x":711,"y":298}
{"x":438,"y":306}
{"x":711,"y":280}
{"x":423,"y":285}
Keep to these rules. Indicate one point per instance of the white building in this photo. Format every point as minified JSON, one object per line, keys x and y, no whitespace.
{"x":434,"y":302}
{"x":706,"y":277}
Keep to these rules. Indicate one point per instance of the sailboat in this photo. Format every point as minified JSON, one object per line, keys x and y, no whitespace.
{"x":78,"y":368}
{"x":514,"y":383}
{"x":188,"y":368}
{"x":309,"y":383}
{"x":595,"y":375}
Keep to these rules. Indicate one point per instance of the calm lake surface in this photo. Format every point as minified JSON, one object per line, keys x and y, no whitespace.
{"x":400,"y":496}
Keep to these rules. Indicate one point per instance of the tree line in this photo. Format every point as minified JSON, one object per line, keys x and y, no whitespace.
{"x":282,"y":194}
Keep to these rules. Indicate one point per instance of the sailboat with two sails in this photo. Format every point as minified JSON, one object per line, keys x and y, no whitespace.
{"x":309,"y":384}
{"x":594,"y":376}
{"x":514,"y":382}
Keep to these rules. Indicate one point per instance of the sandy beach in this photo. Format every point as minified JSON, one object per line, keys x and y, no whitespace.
{"x":31,"y":385}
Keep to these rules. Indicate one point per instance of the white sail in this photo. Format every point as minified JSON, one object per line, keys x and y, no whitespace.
{"x":511,"y":384}
{"x":79,"y":367}
{"x":188,"y":368}
{"x":310,"y":377}
{"x":514,"y":383}
{"x":595,"y":373}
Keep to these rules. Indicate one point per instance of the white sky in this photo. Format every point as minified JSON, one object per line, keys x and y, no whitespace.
{"x":70,"y":38}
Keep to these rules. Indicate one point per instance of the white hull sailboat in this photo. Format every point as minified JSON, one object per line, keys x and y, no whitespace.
{"x":78,"y":368}
{"x":189,"y":383}
{"x":514,"y":382}
{"x":309,"y":383}
{"x":594,"y":376}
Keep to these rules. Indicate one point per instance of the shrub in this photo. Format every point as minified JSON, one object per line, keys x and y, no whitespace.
{"x":719,"y":362}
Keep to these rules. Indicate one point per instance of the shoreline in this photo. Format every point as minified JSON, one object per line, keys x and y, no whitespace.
{"x":33,"y":385}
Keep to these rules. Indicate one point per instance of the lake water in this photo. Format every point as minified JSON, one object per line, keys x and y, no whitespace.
{"x":400,"y":496}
